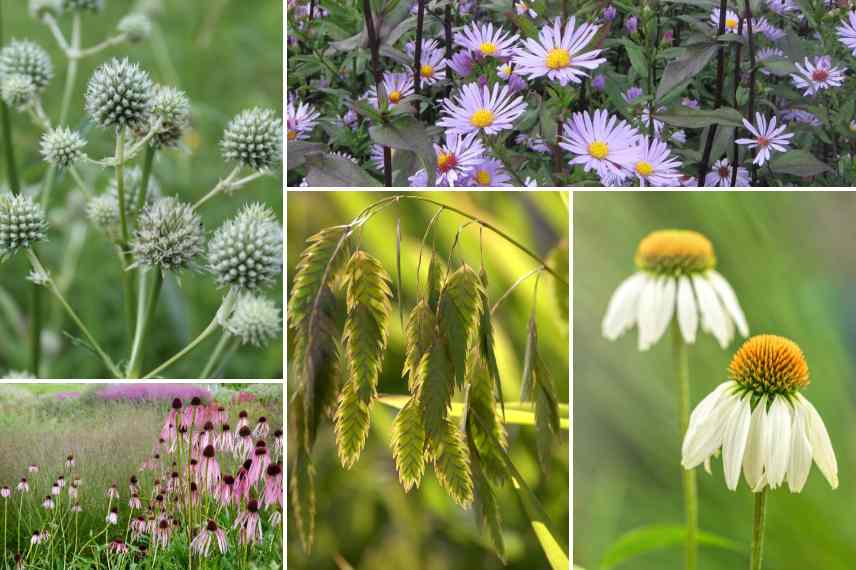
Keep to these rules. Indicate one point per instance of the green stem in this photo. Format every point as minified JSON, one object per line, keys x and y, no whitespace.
{"x":38,"y":267}
{"x":682,"y":372}
{"x":215,"y":356}
{"x":71,"y":70}
{"x":148,"y":161}
{"x":146,"y":309}
{"x":221,"y":185}
{"x":223,"y":312}
{"x":36,"y":330}
{"x":120,"y":184}
{"x":758,"y":530}
{"x":11,"y":164}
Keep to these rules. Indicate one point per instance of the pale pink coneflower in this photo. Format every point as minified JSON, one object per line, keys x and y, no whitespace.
{"x":76,"y":508}
{"x":133,"y":484}
{"x":766,"y":138}
{"x":244,"y":443}
{"x":162,"y":533}
{"x":205,"y":437}
{"x":478,"y":108}
{"x":260,"y":462}
{"x":118,"y":546}
{"x":483,"y":40}
{"x":210,"y":468}
{"x":38,"y":537}
{"x":243,"y":419}
{"x":171,"y":422}
{"x":559,"y":54}
{"x":277,"y":441}
{"x":273,"y":485}
{"x":225,"y":491}
{"x":173,"y":482}
{"x":195,"y":470}
{"x":48,"y":503}
{"x":242,"y":481}
{"x":138,"y":527}
{"x":201,"y":543}
{"x":248,"y":522}
{"x":818,"y":75}
{"x":60,"y":482}
{"x":55,"y":490}
{"x":112,"y":492}
{"x":194,"y":414}
{"x":69,"y":462}
{"x":262,"y":428}
{"x":23,"y":486}
{"x":134,"y":502}
{"x":5,"y":492}
{"x":73,"y":491}
{"x":219,"y":416}
{"x":225,"y":441}
{"x":113,"y":516}
{"x":601,"y":142}
{"x":194,"y":494}
{"x":33,"y":468}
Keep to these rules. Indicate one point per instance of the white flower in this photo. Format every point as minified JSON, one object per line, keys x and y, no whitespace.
{"x":818,"y":75}
{"x":676,"y":278}
{"x":760,"y":422}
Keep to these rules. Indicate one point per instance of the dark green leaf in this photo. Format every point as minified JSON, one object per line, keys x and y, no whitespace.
{"x":688,"y":118}
{"x":298,"y":150}
{"x":326,"y":170}
{"x":683,"y":69}
{"x":637,"y":58}
{"x":797,"y":162}
{"x":407,"y":133}
{"x":657,"y":537}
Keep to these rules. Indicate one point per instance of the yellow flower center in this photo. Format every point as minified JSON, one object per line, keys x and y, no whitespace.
{"x":644,"y":168}
{"x":488,"y":48}
{"x":482,"y":118}
{"x":675,"y":252}
{"x":769,"y":364}
{"x":395,"y":96}
{"x":426,"y":70}
{"x":558,"y":58}
{"x":598,"y":149}
{"x":292,"y":134}
{"x":506,"y":69}
{"x":731,"y":23}
{"x":483,"y":177}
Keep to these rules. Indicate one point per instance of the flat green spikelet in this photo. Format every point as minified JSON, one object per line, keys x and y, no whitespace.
{"x":352,"y":424}
{"x":408,"y":444}
{"x":487,"y":510}
{"x":490,"y":445}
{"x":452,"y":464}
{"x":486,"y":340}
{"x":546,"y":414}
{"x":302,"y":487}
{"x":459,"y":309}
{"x":436,"y":276}
{"x":435,"y":378}
{"x":310,"y":272}
{"x":419,"y":333}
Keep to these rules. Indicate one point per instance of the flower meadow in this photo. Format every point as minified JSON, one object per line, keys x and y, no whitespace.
{"x":208,"y":495}
{"x":654,"y":93}
{"x":106,"y":174}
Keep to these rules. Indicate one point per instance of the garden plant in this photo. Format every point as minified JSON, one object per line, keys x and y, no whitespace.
{"x":99,"y":181}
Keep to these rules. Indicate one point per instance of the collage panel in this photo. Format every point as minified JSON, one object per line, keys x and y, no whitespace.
{"x":140,"y":206}
{"x":713,"y":361}
{"x":135,"y":475}
{"x":428,"y":380}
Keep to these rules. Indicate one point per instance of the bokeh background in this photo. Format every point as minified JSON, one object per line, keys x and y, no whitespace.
{"x":789,"y":257}
{"x":364,"y":518}
{"x":227,"y":58}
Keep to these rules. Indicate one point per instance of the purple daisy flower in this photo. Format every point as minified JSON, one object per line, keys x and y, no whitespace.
{"x":765,"y":137}
{"x":815,"y":76}
{"x":489,"y":173}
{"x":655,"y":165}
{"x":601,"y":142}
{"x":461,"y":63}
{"x":481,"y":109}
{"x":397,"y":86}
{"x":455,"y":160}
{"x":486,"y":41}
{"x":523,"y":8}
{"x":432,"y":66}
{"x":847,"y":32}
{"x":559,"y":54}
{"x":300,"y":119}
{"x":732,"y":20}
{"x":721,"y":173}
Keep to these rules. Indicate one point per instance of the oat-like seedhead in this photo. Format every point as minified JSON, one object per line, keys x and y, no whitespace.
{"x":22,"y":224}
{"x":256,"y":320}
{"x":169,"y":235}
{"x":119,"y":94}
{"x":62,"y":147}
{"x":28,"y":59}
{"x":246,"y":252}
{"x":254,"y":139}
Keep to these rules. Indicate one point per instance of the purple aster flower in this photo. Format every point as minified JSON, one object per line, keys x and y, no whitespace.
{"x":816,"y":76}
{"x":632,"y":94}
{"x":480,"y":109}
{"x":300,"y":119}
{"x":516,"y":83}
{"x":601,"y":142}
{"x":732,"y":20}
{"x":489,"y":173}
{"x":609,"y":13}
{"x":800,"y":116}
{"x":397,"y":86}
{"x":456,"y":160}
{"x":847,"y":32}
{"x":598,"y":82}
{"x":461,"y":63}
{"x":762,"y":26}
{"x":559,"y":54}
{"x":765,"y":54}
{"x":722,"y":172}
{"x":432,"y":66}
{"x":668,"y":36}
{"x":766,"y":138}
{"x":655,"y":165}
{"x":485,"y":41}
{"x":782,"y":7}
{"x":691,"y":103}
{"x":679,"y":137}
{"x":522,"y":8}
{"x":631,"y":24}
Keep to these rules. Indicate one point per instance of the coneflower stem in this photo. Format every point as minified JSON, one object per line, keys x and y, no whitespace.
{"x":215,"y":356}
{"x":223,"y":312}
{"x":148,"y":161}
{"x":39,"y":268}
{"x":146,"y":308}
{"x":760,"y":519}
{"x":682,"y":372}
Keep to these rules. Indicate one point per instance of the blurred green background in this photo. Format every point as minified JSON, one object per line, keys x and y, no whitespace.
{"x":364,"y":518}
{"x":789,"y":257}
{"x":239,"y":66}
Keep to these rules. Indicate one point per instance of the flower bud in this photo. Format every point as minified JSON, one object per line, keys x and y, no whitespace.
{"x":254,"y":139}
{"x":255,"y":320}
{"x":62,"y":147}
{"x":81,"y":5}
{"x":169,"y":235}
{"x":22,"y":224}
{"x":103,"y":212}
{"x":41,"y":8}
{"x":17,"y":90}
{"x":136,"y":26}
{"x":171,"y":107}
{"x":246,"y":252}
{"x":28,"y":59}
{"x":119,"y":95}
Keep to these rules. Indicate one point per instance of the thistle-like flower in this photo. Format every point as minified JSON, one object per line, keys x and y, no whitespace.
{"x":22,"y":224}
{"x":255,"y":320}
{"x":171,"y":108}
{"x":169,"y":235}
{"x":41,"y":8}
{"x":254,"y":139}
{"x":246,"y":252}
{"x":28,"y":59}
{"x":81,"y":5}
{"x":119,"y":95}
{"x":761,"y":422}
{"x":675,"y":277}
{"x":17,"y":90}
{"x":133,"y":178}
{"x":62,"y":147}
{"x":103,"y":212}
{"x":136,"y":27}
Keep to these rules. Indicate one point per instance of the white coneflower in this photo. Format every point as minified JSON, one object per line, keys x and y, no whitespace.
{"x":48,"y":503}
{"x":676,"y":278}
{"x":113,"y":516}
{"x":761,"y":422}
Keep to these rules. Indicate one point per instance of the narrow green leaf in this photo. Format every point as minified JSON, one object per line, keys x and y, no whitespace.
{"x":328,"y":170}
{"x":797,"y":162}
{"x":637,"y":58}
{"x":529,"y":360}
{"x":408,"y":444}
{"x":458,"y":312}
{"x":687,"y":118}
{"x":647,"y":539}
{"x":452,"y":464}
{"x":679,"y":71}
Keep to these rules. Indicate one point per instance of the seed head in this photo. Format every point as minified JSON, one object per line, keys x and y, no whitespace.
{"x":81,"y":5}
{"x":119,"y":94}
{"x":17,"y":90}
{"x":103,"y":212}
{"x":169,"y":235}
{"x":674,"y":252}
{"x":769,"y":364}
{"x":41,"y":8}
{"x":171,"y":107}
{"x":22,"y":224}
{"x":133,"y":178}
{"x":246,"y":252}
{"x":136,"y":26}
{"x":254,"y":139}
{"x":255,"y":320}
{"x":28,"y":59}
{"x":62,"y":147}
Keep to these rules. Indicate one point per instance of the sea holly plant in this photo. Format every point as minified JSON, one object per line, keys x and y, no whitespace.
{"x":156,"y":237}
{"x":340,"y":310}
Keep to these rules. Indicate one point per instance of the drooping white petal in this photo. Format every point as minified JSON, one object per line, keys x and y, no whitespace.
{"x":622,"y":309}
{"x":667,"y":307}
{"x":778,"y":454}
{"x":729,"y":299}
{"x":713,"y":317}
{"x":647,"y":312}
{"x":687,"y":310}
{"x":704,"y":436}
{"x":800,"y":463}
{"x":756,"y":448}
{"x":734,"y":442}
{"x":822,"y":450}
